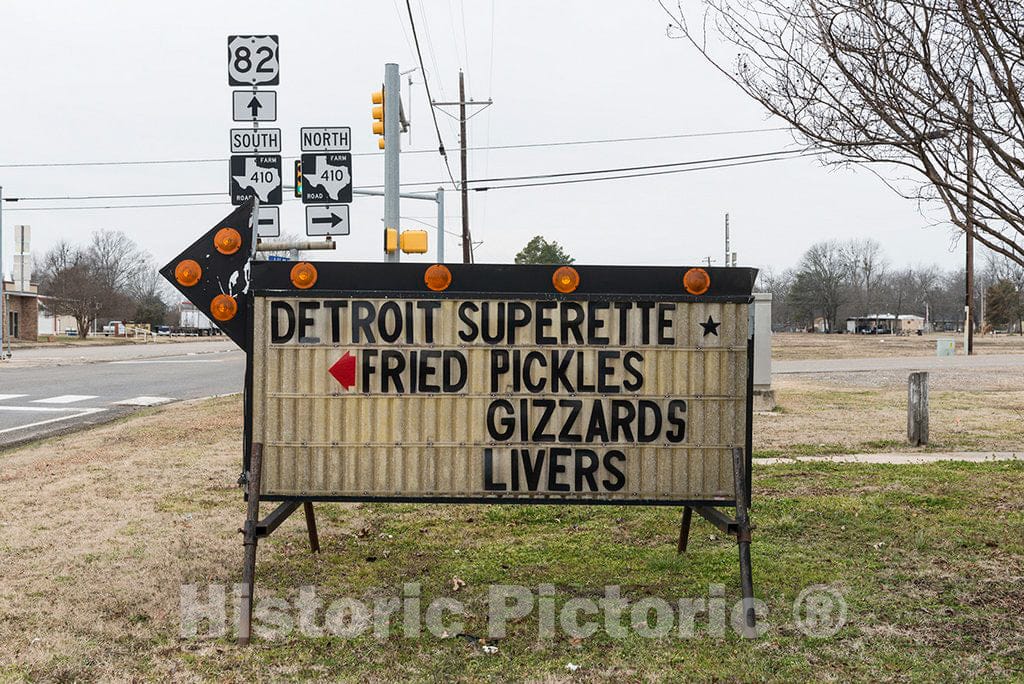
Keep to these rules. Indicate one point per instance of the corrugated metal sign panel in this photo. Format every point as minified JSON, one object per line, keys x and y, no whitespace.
{"x":507,"y":399}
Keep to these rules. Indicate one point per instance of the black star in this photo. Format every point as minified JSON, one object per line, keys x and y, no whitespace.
{"x":710,"y":327}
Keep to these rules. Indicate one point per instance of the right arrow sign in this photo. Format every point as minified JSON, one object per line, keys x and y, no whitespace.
{"x":326,"y":219}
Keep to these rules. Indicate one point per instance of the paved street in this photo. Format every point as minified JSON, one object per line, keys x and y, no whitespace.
{"x":981,"y":362}
{"x":56,"y":390}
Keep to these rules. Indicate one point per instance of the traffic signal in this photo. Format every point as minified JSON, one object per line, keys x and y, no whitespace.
{"x":298,"y":178}
{"x":378,"y":116}
{"x":390,"y":240}
{"x":413,"y":241}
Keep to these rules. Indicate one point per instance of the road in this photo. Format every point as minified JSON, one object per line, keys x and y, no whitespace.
{"x":924,"y":363}
{"x":47,"y":391}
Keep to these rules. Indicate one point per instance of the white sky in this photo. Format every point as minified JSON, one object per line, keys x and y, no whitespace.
{"x":120,"y":80}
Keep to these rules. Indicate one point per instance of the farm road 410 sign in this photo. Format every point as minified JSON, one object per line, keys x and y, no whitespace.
{"x":499,"y":398}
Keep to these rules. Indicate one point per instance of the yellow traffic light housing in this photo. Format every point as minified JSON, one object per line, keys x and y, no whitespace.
{"x":378,"y":115}
{"x":390,"y":240}
{"x":413,"y":241}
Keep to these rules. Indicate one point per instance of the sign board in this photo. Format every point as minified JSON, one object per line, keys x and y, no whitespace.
{"x":327,"y":219}
{"x":502,"y":391}
{"x":327,"y":178}
{"x":255,"y":176}
{"x":250,"y":105}
{"x":325,"y":139}
{"x":253,"y":61}
{"x":268,"y":224}
{"x":255,"y":140}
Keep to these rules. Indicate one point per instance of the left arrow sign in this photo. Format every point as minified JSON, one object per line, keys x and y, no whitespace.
{"x":221,"y":274}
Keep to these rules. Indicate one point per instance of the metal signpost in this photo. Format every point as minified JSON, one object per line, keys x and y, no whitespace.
{"x":254,"y":171}
{"x":478,"y":383}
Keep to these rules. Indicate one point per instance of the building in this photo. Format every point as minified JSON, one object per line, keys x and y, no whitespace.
{"x":21,"y":309}
{"x":886,"y":324}
{"x":50,"y":323}
{"x":20,"y":295}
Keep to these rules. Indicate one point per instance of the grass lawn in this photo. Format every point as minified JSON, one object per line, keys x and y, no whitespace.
{"x":100,"y":530}
{"x":813,"y":418}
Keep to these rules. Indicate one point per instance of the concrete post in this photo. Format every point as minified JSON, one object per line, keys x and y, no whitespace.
{"x":764,"y":395}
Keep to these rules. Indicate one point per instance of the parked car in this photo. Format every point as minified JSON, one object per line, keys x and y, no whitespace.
{"x":163,"y":330}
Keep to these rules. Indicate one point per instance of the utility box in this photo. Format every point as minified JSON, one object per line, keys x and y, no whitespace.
{"x":761,"y":315}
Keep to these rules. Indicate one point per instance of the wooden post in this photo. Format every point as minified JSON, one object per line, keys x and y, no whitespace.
{"x":252,"y":517}
{"x":917,"y":408}
{"x":743,"y":528}
{"x":684,"y":530}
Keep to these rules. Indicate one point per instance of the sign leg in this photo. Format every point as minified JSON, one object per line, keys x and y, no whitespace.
{"x":314,"y":540}
{"x":684,"y":530}
{"x":252,"y":517}
{"x":743,"y":541}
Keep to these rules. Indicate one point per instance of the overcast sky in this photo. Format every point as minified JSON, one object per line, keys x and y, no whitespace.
{"x":130,"y":81}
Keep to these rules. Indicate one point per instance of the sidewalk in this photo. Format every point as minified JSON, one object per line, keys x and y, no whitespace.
{"x":901,"y":457}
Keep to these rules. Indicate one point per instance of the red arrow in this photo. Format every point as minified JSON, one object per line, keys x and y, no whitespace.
{"x":344,"y":370}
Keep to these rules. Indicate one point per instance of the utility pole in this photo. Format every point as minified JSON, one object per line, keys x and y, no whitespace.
{"x":467,"y":245}
{"x":726,"y":238}
{"x":969,"y":299}
{"x":392,"y":148}
{"x":467,"y":240}
{"x":3,"y":295}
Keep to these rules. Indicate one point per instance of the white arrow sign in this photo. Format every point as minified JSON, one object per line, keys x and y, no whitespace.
{"x":326,"y":219}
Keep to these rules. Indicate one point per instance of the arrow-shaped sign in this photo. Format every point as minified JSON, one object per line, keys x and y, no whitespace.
{"x":344,"y":370}
{"x":254,"y":106}
{"x":221,"y":274}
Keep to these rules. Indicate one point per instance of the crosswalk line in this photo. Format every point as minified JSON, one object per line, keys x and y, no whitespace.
{"x":143,"y":401}
{"x":65,"y":399}
{"x":5,"y":397}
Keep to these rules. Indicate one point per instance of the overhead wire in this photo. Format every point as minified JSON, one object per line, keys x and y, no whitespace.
{"x":430,"y":99}
{"x":515,"y":146}
{"x":554,"y":179}
{"x":645,"y":174}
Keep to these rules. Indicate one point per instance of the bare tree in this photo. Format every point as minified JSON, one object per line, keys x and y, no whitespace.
{"x":867,"y":267}
{"x":820,"y":282}
{"x":111,"y":277}
{"x":891,"y":82}
{"x":67,"y":276}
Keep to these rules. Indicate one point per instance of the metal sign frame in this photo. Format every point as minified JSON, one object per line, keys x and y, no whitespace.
{"x":500,"y":281}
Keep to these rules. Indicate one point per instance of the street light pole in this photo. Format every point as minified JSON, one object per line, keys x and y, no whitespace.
{"x":3,"y":295}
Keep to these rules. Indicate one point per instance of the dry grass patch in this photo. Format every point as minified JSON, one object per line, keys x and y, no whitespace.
{"x":815,"y":418}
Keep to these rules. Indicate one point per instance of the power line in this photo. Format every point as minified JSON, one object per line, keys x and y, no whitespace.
{"x":121,"y":206}
{"x":504,"y":179}
{"x":626,"y":176}
{"x":426,"y":85}
{"x":561,"y":143}
{"x":644,"y":167}
{"x":646,"y":174}
{"x":155,"y":195}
